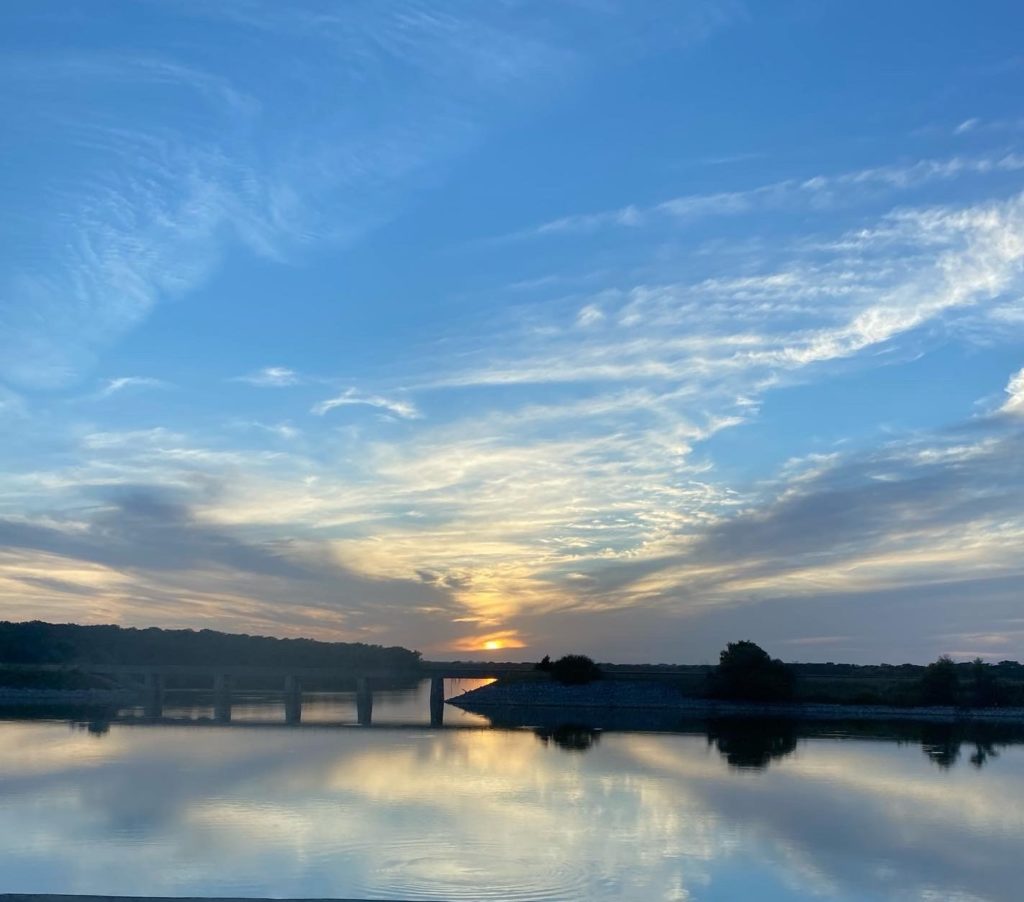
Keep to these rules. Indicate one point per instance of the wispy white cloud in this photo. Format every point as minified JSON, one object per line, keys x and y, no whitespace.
{"x":400,"y":408}
{"x":589,"y":315}
{"x":151,"y":210}
{"x":977,"y":125}
{"x":52,"y":71}
{"x":122,"y":383}
{"x":833,"y":301}
{"x":1014,"y":404}
{"x":129,"y":245}
{"x":282,"y":430}
{"x":816,"y":191}
{"x":138,"y":439}
{"x":271,"y":377}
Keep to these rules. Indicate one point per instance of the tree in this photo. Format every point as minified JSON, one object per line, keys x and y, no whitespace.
{"x":575,"y":670}
{"x":984,"y":690}
{"x":940,"y":682}
{"x":746,"y":672}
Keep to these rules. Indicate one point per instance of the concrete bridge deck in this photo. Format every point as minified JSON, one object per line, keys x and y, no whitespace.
{"x":149,"y":681}
{"x":443,"y":669}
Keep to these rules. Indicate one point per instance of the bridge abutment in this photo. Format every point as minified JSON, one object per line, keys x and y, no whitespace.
{"x":437,"y":701}
{"x":364,"y":702}
{"x":292,"y":699}
{"x":222,"y":686}
{"x":154,"y":694}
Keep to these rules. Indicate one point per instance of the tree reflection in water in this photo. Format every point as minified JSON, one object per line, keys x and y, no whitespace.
{"x":744,"y":743}
{"x":942,"y":743}
{"x":571,"y":737}
{"x":983,"y":751}
{"x":752,"y":745}
{"x":99,"y":726}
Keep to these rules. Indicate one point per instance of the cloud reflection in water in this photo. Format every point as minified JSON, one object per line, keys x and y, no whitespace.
{"x":322,"y":811}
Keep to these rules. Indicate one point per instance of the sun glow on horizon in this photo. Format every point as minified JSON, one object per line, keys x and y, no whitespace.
{"x":496,"y":641}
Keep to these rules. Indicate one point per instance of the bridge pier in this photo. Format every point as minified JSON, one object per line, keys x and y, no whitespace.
{"x":436,"y":701}
{"x":292,"y":699}
{"x":222,"y":685}
{"x":154,"y":700}
{"x":364,"y":702}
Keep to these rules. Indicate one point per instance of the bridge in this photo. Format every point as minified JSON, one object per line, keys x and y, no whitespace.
{"x":150,"y":681}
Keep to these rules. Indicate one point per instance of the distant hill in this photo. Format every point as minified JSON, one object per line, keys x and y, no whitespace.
{"x":36,"y":642}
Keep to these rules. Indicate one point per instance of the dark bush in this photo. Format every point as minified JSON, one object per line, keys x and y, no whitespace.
{"x":575,"y":670}
{"x":746,"y":672}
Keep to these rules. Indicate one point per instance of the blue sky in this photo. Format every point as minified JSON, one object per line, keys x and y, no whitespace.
{"x":629,"y":329}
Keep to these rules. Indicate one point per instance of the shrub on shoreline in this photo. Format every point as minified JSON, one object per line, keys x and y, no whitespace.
{"x":574,"y":670}
{"x":746,"y":672}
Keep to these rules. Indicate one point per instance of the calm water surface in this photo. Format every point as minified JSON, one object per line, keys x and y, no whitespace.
{"x":470,"y":812}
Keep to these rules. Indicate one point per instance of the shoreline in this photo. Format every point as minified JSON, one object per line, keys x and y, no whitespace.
{"x":622,"y":696}
{"x":618,"y":696}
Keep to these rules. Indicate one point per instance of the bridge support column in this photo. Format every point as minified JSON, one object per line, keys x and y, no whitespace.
{"x":292,"y":699}
{"x":436,"y":701}
{"x":154,"y":703}
{"x":364,"y":702}
{"x":222,"y":685}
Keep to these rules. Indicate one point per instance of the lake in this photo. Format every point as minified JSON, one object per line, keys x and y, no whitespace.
{"x":400,"y":810}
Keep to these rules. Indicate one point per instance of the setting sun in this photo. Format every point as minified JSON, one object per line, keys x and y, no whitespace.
{"x":498,"y":640}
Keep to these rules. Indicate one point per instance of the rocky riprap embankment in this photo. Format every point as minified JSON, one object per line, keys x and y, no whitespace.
{"x":599,"y":694}
{"x":628,"y":694}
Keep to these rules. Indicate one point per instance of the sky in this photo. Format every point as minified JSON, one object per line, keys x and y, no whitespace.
{"x":511,"y":328}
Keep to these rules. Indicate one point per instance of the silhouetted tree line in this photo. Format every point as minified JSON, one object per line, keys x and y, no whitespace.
{"x":67,"y":643}
{"x":573,"y":670}
{"x":975,"y":684}
{"x":746,"y":672}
